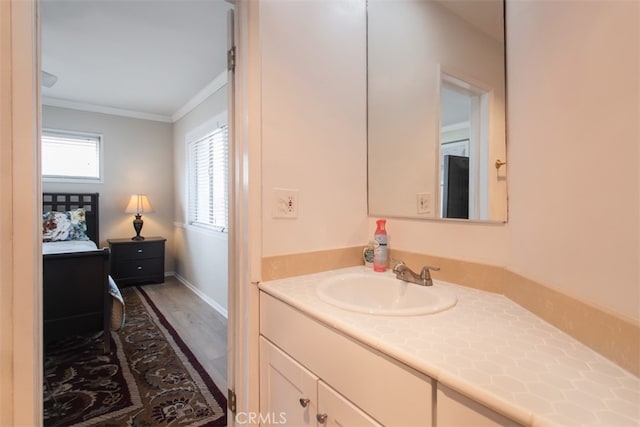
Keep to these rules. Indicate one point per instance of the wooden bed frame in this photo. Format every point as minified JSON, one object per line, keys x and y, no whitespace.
{"x":75,"y":290}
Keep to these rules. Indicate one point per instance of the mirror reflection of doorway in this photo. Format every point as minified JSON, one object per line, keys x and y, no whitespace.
{"x":463,"y":133}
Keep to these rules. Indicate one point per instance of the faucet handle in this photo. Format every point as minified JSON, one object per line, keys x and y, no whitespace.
{"x":398,"y":263}
{"x":425,"y":275}
{"x":426,"y":269}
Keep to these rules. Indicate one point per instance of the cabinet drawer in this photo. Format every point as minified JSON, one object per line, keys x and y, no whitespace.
{"x":140,"y":268}
{"x":141,"y":250}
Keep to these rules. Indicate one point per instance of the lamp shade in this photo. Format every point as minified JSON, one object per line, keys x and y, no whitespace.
{"x":138,"y":203}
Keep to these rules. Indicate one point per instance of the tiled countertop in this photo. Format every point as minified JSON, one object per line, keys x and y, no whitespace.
{"x":490,"y":349}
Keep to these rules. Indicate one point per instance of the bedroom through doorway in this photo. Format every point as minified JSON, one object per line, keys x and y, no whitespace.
{"x":135,"y":102}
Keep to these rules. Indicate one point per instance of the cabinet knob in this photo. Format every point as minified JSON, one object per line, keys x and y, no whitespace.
{"x":304,"y":402}
{"x":139,"y":251}
{"x":139,"y":267}
{"x":322,"y":418}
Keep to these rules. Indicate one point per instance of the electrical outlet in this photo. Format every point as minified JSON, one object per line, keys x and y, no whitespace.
{"x":285,"y":203}
{"x":425,"y":203}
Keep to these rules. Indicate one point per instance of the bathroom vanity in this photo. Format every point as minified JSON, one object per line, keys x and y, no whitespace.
{"x":484,"y":362}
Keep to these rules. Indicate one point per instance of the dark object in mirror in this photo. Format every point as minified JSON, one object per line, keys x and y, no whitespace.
{"x":455,"y":192}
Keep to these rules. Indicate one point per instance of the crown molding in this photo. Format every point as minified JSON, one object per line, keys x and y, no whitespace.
{"x":216,"y":84}
{"x":82,"y":106}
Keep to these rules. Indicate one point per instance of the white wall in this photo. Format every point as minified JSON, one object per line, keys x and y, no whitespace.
{"x":201,"y":257}
{"x":313,"y":106}
{"x":137,"y":159}
{"x":314,"y":139}
{"x":573,"y":140}
{"x":574,"y":135}
{"x":574,"y":188}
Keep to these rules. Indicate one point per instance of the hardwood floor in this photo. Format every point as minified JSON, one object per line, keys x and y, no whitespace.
{"x":202,"y":328}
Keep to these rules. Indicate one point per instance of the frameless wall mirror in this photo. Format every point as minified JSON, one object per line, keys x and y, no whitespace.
{"x":436,"y":109}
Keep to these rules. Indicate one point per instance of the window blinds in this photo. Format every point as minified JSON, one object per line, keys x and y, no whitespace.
{"x":208,"y":175}
{"x":70,"y":155}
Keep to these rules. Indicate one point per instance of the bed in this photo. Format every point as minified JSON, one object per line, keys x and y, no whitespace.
{"x":75,"y":273}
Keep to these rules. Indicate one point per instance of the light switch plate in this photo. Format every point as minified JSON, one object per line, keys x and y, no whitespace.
{"x":425,"y":203}
{"x":285,"y":203}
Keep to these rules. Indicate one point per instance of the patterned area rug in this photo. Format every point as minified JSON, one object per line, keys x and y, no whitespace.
{"x":150,"y":378}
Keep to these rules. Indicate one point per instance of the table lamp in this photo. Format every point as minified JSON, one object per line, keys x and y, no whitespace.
{"x":138,"y":204}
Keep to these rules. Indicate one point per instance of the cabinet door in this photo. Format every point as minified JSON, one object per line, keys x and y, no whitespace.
{"x":390,"y":392}
{"x":456,"y":410}
{"x":339,"y":411}
{"x":288,"y":393}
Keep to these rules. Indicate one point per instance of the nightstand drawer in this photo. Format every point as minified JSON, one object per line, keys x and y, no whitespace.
{"x":134,"y":251}
{"x":140,"y":268}
{"x":137,"y":261}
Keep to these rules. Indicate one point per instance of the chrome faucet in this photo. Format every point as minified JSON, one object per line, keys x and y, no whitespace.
{"x":404,"y":273}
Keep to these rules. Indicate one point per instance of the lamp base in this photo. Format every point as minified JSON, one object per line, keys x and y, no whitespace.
{"x":137,"y":225}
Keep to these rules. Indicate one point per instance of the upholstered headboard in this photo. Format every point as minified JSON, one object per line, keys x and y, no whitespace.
{"x":68,"y":201}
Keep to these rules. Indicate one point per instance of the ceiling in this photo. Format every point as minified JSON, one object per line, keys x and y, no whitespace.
{"x":485,"y":15}
{"x":146,"y":56}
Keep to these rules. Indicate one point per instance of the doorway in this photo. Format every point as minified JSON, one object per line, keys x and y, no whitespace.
{"x":464,"y":149}
{"x":141,"y":146}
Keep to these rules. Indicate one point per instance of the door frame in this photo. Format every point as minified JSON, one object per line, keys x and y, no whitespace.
{"x":246,"y":245}
{"x":20,"y":189}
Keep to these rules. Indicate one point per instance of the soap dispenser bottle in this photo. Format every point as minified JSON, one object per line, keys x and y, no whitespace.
{"x":380,"y":251}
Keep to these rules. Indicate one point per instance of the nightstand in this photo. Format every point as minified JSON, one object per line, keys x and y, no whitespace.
{"x":137,"y":261}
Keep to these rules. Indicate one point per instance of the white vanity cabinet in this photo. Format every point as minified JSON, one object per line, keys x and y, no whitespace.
{"x":292,"y":395}
{"x":355,"y":384}
{"x":456,"y":410}
{"x":336,"y":411}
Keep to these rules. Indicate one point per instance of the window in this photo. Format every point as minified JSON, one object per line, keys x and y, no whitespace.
{"x":71,"y":156}
{"x":208,"y":177}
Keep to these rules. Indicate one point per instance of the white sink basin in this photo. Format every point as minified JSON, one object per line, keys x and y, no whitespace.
{"x":383,"y":294}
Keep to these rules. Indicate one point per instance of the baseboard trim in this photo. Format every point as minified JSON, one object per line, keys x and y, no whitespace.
{"x":217,"y":307}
